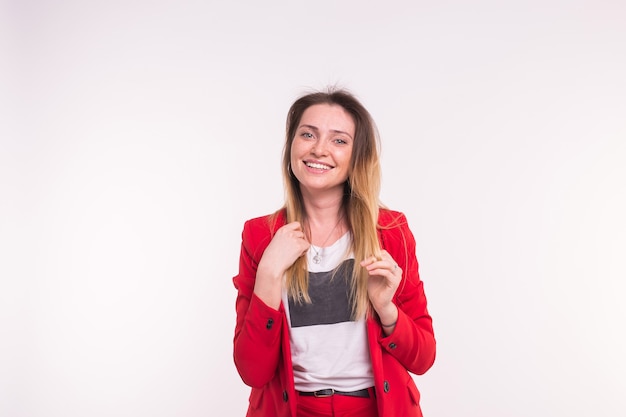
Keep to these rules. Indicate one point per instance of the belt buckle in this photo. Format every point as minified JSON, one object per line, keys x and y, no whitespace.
{"x":329,"y":392}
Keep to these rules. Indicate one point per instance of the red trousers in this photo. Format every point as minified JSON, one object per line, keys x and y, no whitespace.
{"x":337,"y":406}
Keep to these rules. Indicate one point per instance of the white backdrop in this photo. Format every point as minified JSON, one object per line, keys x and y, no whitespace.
{"x":136,"y":138}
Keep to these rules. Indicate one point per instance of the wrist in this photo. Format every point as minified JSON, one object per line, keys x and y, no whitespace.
{"x":389,"y":316}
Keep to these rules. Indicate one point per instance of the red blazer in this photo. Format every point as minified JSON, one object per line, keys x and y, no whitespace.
{"x":262,"y":352}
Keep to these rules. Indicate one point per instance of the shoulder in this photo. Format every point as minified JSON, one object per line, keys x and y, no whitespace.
{"x":394,"y":230}
{"x":259,"y":231}
{"x":389,"y":219}
{"x":264,"y":226}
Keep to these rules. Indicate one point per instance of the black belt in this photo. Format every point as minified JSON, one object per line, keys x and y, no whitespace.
{"x":363,"y":393}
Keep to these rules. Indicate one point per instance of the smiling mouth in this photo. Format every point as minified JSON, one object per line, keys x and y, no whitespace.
{"x":317,"y":166}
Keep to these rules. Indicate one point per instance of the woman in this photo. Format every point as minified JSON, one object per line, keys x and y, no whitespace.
{"x":331,"y":312}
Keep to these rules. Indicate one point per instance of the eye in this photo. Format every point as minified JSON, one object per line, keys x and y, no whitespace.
{"x":307,"y":135}
{"x":341,"y":141}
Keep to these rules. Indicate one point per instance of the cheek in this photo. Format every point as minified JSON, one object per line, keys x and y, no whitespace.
{"x":346,"y":157}
{"x":295,"y":148}
{"x":292,"y":156}
{"x":298,"y":150}
{"x":294,"y":160}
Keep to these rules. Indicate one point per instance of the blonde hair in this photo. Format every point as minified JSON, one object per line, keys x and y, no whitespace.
{"x":361,"y":202}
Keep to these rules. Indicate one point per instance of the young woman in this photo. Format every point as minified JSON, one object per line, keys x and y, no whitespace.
{"x":331,"y":312}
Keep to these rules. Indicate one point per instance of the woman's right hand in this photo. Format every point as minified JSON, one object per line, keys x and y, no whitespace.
{"x":288,"y":244}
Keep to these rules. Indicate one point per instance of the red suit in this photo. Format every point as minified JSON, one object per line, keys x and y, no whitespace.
{"x":261,"y":344}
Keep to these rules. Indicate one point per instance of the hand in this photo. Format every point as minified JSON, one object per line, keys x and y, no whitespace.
{"x":385,"y":276}
{"x":288,"y":244}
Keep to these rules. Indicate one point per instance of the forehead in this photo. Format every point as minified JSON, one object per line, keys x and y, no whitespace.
{"x":328,"y":117}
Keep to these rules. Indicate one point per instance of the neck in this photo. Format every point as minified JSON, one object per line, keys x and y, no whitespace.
{"x":323,"y":211}
{"x":324,"y":215}
{"x":318,"y":239}
{"x":325,"y":226}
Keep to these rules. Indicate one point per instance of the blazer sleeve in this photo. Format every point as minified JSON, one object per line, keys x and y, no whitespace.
{"x":257,"y":341}
{"x":412,"y":342}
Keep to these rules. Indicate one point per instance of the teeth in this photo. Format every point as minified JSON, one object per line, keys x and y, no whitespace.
{"x":317,"y":166}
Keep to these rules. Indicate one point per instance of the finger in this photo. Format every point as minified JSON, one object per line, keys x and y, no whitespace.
{"x":293,"y":226}
{"x":370,"y":260}
{"x":385,"y":273}
{"x":384,"y":268}
{"x":393,"y":265}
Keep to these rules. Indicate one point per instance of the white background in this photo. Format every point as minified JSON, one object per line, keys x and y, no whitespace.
{"x":137,"y":136}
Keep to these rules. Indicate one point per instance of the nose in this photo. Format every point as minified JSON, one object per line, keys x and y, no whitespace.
{"x":319,"y":147}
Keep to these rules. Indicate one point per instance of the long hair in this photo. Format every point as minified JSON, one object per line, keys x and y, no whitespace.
{"x":361,"y":196}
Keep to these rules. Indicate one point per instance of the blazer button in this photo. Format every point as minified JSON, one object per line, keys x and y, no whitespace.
{"x":285,"y":396}
{"x":392,"y":345}
{"x":270,"y":323}
{"x":386,"y":386}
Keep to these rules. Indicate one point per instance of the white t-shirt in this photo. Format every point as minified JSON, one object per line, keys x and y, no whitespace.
{"x":328,"y":349}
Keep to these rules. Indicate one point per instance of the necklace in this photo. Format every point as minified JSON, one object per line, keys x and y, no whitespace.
{"x":317,"y":258}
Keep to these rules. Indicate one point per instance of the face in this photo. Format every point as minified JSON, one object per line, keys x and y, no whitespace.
{"x":322,"y":148}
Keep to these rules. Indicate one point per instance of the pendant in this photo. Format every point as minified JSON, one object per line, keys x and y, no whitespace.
{"x":317,"y":259}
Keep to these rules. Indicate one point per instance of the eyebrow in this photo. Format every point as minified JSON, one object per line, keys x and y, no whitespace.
{"x":332,"y":130}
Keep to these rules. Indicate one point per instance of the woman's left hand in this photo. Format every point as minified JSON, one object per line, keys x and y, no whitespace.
{"x":385,"y":276}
